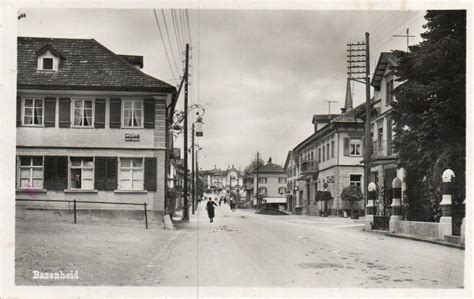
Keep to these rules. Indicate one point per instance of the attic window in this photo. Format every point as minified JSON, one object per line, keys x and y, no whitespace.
{"x":48,"y":60}
{"x":47,"y":63}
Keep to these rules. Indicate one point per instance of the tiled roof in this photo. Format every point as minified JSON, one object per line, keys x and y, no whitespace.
{"x":271,"y":168}
{"x":86,"y":65}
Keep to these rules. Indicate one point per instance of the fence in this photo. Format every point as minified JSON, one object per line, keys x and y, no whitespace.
{"x":75,"y":202}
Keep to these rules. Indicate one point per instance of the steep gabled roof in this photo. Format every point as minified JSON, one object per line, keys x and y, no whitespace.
{"x":86,"y":65}
{"x":386,"y":59}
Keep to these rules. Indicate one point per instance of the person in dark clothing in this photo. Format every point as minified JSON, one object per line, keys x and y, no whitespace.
{"x":210,"y":209}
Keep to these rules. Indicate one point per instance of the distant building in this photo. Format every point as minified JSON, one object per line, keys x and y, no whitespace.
{"x":272,"y":185}
{"x":90,"y":125}
{"x":230,"y":179}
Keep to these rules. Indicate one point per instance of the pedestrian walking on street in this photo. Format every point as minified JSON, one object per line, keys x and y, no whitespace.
{"x":210,"y":209}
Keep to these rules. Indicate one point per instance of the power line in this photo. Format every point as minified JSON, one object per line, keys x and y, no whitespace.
{"x":164,"y":47}
{"x":176,"y":30}
{"x":169,"y":39}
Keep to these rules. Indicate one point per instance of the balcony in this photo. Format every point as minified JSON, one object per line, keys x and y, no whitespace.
{"x":382,"y":148}
{"x":309,"y":167}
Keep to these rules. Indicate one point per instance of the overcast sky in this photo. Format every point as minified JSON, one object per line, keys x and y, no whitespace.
{"x":260,"y":74}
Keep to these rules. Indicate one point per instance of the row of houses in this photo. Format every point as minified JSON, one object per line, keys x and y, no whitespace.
{"x":331,"y":158}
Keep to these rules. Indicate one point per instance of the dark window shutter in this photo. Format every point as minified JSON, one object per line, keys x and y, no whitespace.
{"x":150,"y":174}
{"x":99,"y":113}
{"x":149,"y":113}
{"x":55,"y":173}
{"x":111,"y":171}
{"x":18,"y":111}
{"x":49,"y":112}
{"x":64,"y":112}
{"x":346,"y":146}
{"x":62,"y":171}
{"x":99,"y":173}
{"x":115,"y":113}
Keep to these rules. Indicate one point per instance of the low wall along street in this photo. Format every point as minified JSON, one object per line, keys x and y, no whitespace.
{"x":429,"y":230}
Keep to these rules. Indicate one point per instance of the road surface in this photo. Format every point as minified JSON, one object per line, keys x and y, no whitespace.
{"x":244,"y":249}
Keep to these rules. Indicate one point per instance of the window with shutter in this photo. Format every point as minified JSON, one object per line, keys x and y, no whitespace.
{"x":49,"y":112}
{"x":64,"y":112}
{"x":18,"y":110}
{"x":150,"y":174}
{"x":115,"y":112}
{"x":346,"y":146}
{"x":149,"y":113}
{"x":105,"y":173}
{"x":99,"y":121}
{"x":55,"y":173}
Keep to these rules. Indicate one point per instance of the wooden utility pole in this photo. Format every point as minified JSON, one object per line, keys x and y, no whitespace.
{"x":185,"y":136}
{"x":193,"y":198}
{"x":368,"y":109}
{"x":256,"y":171}
{"x":359,"y":71}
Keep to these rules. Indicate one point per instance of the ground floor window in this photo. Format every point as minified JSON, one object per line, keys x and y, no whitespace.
{"x":31,"y":172}
{"x":356,"y":180}
{"x":131,"y":174}
{"x":81,"y":173}
{"x":262,"y":190}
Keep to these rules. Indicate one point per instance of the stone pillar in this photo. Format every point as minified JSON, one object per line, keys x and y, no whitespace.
{"x":396,"y":204}
{"x":371,"y":197}
{"x":446,"y":220}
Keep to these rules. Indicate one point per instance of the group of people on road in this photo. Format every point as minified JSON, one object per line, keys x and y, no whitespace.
{"x":211,"y":204}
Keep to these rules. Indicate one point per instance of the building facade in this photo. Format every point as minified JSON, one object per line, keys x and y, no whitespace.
{"x":384,"y":158}
{"x":272,"y":185}
{"x":292,"y":172}
{"x":90,"y":125}
{"x":218,"y":180}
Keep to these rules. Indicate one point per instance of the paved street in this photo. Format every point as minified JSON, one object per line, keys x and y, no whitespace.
{"x":245,"y":249}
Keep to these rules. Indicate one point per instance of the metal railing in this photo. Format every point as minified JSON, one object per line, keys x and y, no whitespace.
{"x":75,"y":202}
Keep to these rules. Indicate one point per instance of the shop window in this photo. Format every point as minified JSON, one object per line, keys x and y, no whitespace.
{"x":33,"y":112}
{"x":81,"y":173}
{"x":31,"y":173}
{"x":131,"y":174}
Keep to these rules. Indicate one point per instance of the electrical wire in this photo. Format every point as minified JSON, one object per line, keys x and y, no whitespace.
{"x":169,"y":40}
{"x":164,"y":47}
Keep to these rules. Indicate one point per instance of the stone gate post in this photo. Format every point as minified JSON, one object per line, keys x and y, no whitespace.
{"x":446,"y":220}
{"x":371,"y":196}
{"x":396,"y":203}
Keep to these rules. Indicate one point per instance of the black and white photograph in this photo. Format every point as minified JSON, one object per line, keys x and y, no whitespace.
{"x":236,"y":149}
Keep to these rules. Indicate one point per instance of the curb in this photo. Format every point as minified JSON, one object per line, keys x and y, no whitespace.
{"x":409,"y":237}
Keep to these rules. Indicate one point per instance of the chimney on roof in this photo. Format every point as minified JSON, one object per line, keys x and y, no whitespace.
{"x":348,"y":102}
{"x":269,"y":160}
{"x":135,"y":60}
{"x":232,"y":165}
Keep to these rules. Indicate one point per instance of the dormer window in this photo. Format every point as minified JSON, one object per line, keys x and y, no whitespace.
{"x":48,"y":59}
{"x":47,"y":63}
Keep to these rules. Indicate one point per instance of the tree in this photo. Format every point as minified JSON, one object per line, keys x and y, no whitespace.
{"x":430,"y":111}
{"x":253,"y":165}
{"x":352,"y":194}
